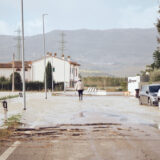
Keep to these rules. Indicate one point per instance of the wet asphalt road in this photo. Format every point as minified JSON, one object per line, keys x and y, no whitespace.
{"x":99,"y":128}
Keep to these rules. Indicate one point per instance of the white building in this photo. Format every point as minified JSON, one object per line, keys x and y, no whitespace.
{"x":64,"y":70}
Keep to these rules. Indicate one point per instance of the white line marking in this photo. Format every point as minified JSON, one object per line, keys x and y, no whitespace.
{"x":9,"y":151}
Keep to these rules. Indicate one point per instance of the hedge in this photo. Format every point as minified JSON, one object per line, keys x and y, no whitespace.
{"x":34,"y":86}
{"x":30,"y":86}
{"x":5,"y":86}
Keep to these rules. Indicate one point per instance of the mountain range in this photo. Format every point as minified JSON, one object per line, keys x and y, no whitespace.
{"x":117,"y":52}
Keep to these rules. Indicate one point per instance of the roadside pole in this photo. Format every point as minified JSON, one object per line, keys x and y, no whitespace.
{"x":13,"y":66}
{"x":23,"y":65}
{"x":44,"y":47}
{"x":52,"y":74}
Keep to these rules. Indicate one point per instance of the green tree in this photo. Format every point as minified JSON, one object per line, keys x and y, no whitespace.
{"x":17,"y":80}
{"x":156,"y":54}
{"x":156,"y":57}
{"x":144,"y":77}
{"x":158,"y":28}
{"x":155,"y":76}
{"x":49,"y":75}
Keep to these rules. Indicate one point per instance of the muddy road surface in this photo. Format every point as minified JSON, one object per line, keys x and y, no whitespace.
{"x":99,"y":128}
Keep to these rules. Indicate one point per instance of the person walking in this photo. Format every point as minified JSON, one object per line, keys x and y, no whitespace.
{"x":80,"y":87}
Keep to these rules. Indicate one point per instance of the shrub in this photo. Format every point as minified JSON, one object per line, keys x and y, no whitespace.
{"x":155,"y":76}
{"x":17,"y":81}
{"x":124,"y":86}
{"x":3,"y":79}
{"x":59,"y":86}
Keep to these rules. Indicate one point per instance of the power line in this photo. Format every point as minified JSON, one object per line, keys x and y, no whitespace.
{"x":62,"y":42}
{"x":62,"y":52}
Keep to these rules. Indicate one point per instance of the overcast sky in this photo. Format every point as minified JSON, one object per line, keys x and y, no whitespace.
{"x":77,"y":14}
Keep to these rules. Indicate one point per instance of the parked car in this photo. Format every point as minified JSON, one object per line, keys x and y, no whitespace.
{"x":148,"y":94}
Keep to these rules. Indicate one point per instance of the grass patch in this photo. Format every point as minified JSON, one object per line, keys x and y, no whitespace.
{"x":11,"y":124}
{"x":8,"y":97}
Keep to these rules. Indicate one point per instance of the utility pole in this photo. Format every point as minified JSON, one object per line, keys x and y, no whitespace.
{"x":13,"y":66}
{"x":23,"y":65}
{"x":62,"y":43}
{"x":18,"y":55}
{"x":62,"y":52}
{"x":44,"y":49}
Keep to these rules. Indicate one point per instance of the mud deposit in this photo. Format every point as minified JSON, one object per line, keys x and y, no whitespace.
{"x":85,"y":141}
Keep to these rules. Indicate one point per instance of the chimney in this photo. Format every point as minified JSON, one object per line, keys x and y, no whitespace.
{"x":62,"y":56}
{"x":69,"y":58}
{"x":55,"y":54}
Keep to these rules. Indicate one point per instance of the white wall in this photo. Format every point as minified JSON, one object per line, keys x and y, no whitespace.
{"x":6,"y":72}
{"x":38,"y":71}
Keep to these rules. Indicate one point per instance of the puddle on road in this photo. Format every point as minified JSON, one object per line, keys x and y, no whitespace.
{"x":157,"y":126}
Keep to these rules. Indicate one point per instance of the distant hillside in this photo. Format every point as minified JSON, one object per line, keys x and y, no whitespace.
{"x":120,"y":52}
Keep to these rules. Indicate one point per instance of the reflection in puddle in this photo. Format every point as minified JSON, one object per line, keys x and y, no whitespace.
{"x":123,"y":119}
{"x":113,"y":115}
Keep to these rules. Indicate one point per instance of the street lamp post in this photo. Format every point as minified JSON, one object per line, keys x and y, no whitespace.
{"x":23,"y":65}
{"x":44,"y":47}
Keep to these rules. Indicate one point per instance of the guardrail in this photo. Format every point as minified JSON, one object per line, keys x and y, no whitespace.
{"x":94,"y":91}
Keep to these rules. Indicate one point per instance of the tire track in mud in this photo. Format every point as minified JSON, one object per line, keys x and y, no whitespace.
{"x":93,"y":147}
{"x":59,"y":131}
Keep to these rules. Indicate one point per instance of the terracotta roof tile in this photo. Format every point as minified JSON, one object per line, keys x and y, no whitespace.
{"x":17,"y":64}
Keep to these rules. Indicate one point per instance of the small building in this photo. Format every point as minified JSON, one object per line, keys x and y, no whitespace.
{"x":64,"y":70}
{"x":133,"y":84}
{"x":6,"y":69}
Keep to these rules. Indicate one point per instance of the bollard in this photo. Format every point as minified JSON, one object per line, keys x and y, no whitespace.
{"x":21,"y":94}
{"x":5,"y":107}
